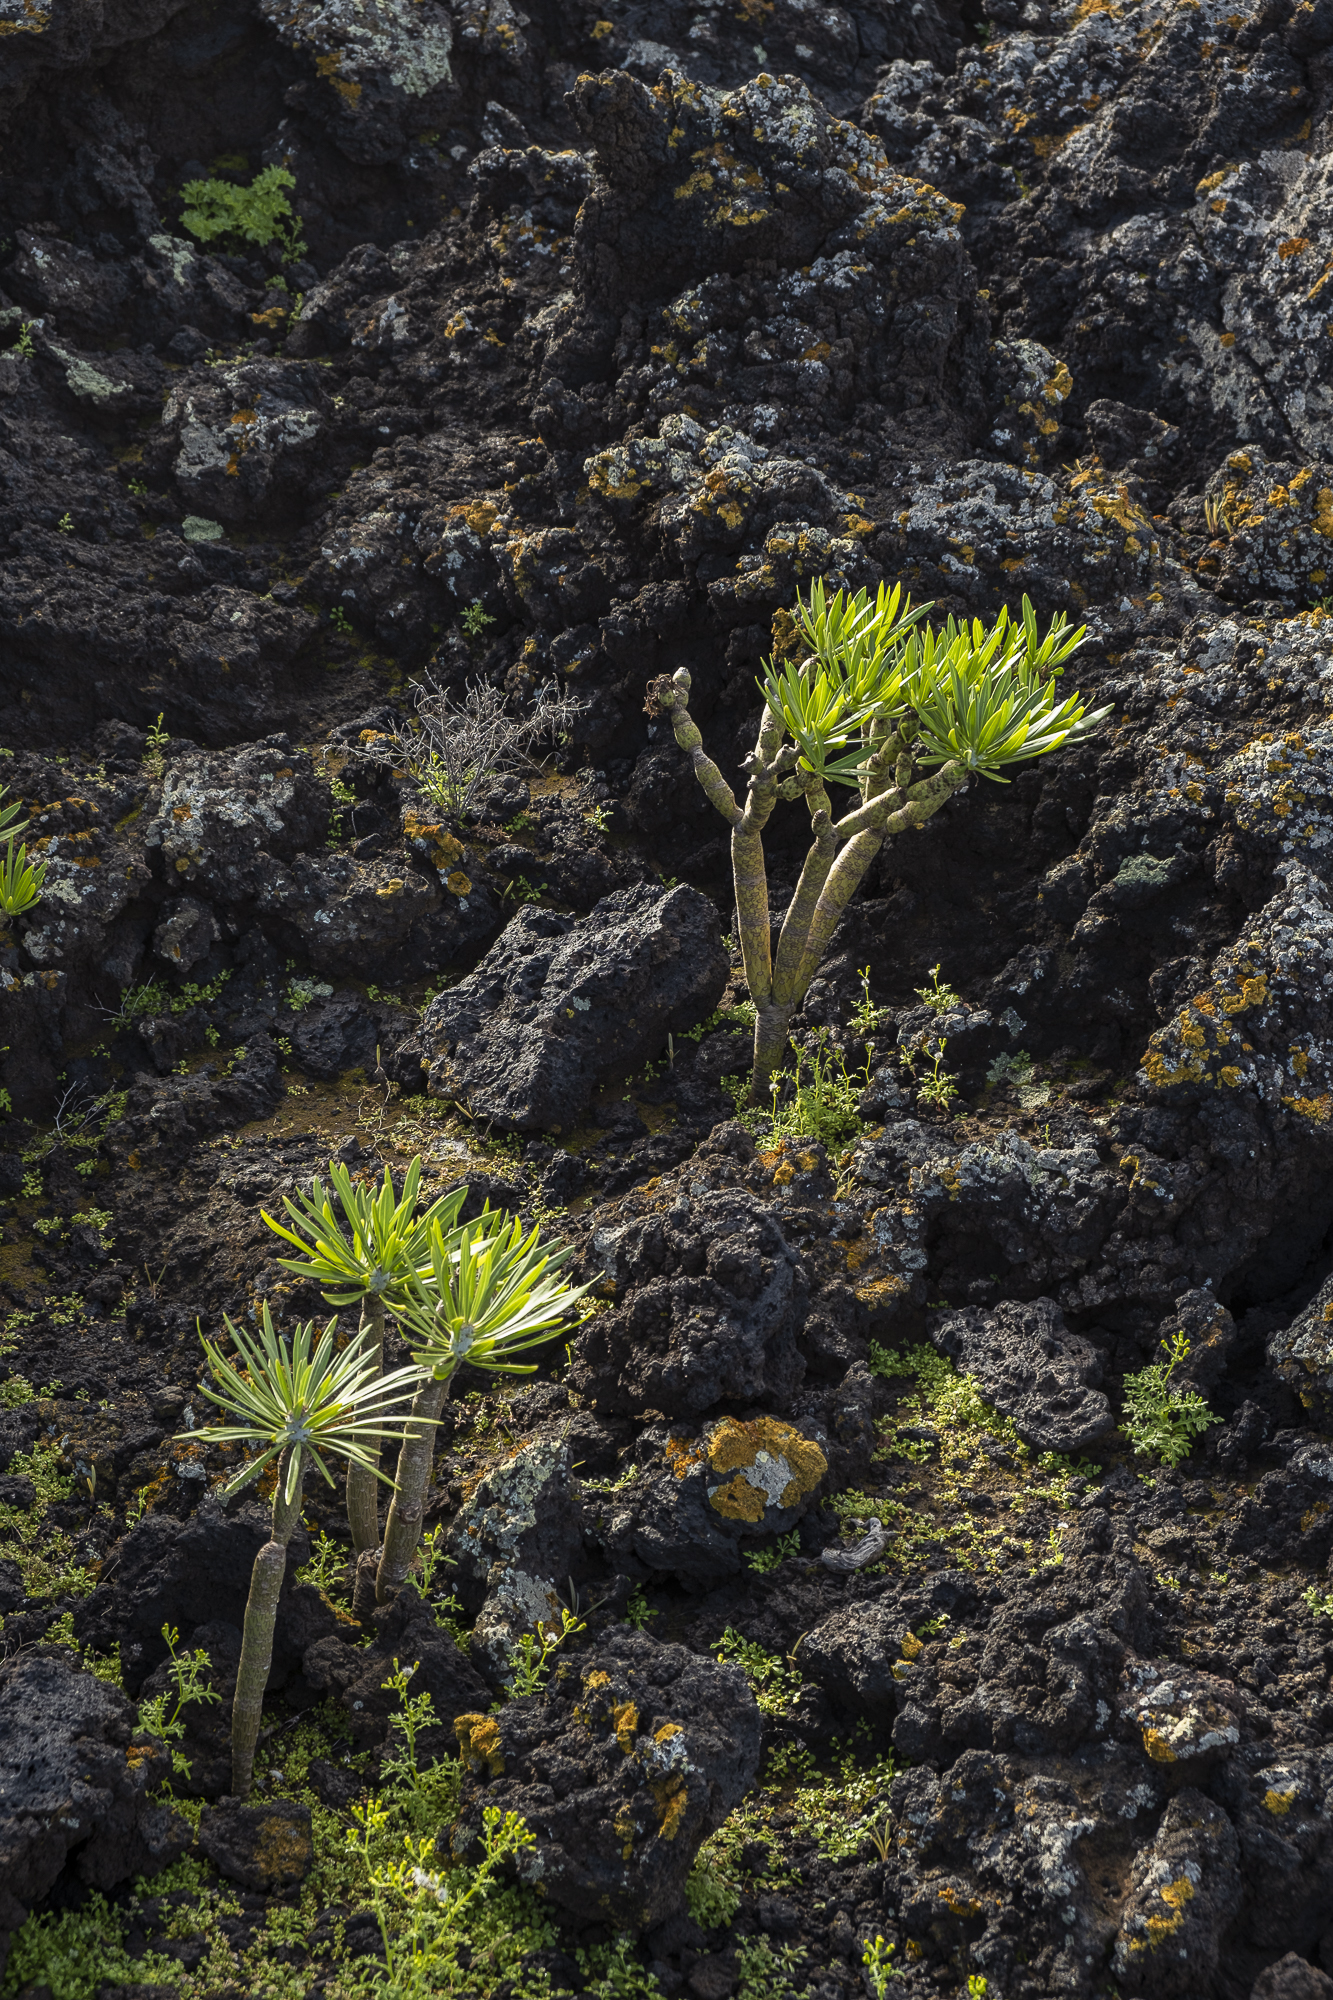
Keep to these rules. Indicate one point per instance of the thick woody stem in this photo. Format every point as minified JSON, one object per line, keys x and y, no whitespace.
{"x":869,"y":828}
{"x":770,"y":1046}
{"x":416,"y":1456}
{"x":801,"y":910}
{"x":363,"y":1507}
{"x":261,"y":1611}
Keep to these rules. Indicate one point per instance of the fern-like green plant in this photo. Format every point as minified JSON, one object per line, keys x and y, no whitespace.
{"x":885,"y":706}
{"x":1161,"y":1415}
{"x":299,"y":1402}
{"x":364,"y":1251}
{"x":489,"y":1293}
{"x":258,"y":214}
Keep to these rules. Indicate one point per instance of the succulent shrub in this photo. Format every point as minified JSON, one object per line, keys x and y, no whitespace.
{"x":488,"y":1293}
{"x":900,"y":713}
{"x":298,"y":1401}
{"x":363,"y":1253}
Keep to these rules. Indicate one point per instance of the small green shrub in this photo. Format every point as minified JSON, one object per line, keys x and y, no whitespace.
{"x":937,"y":996}
{"x":475,"y":619}
{"x":258,"y":214}
{"x":711,"y":1893}
{"x":1161,"y":1417}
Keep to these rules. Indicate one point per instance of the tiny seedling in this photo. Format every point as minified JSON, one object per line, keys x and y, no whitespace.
{"x":598,"y":818}
{"x":154,"y":756}
{"x":24,"y":346}
{"x":940,"y":1086}
{"x":475,"y":619}
{"x":1161,"y":1417}
{"x":638,"y":1610}
{"x":340,"y":622}
{"x":531,"y":1658}
{"x":767,"y":1560}
{"x":66,"y":524}
{"x":877,"y":1958}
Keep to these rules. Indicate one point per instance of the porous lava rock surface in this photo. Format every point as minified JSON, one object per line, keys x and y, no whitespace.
{"x":599,"y":335}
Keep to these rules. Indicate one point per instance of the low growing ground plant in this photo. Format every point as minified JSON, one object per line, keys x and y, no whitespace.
{"x":893,"y":710}
{"x":1162,"y":1417}
{"x":452,"y":749}
{"x":260,"y":213}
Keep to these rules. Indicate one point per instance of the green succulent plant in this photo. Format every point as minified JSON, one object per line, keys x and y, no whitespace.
{"x":20,"y":879}
{"x":886,"y":706}
{"x":363,"y":1252}
{"x":301,"y":1402}
{"x":489,"y":1293}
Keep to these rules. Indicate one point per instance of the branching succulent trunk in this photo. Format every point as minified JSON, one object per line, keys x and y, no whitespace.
{"x":840,"y":853}
{"x":416,"y":1457}
{"x":261,"y":1611}
{"x":363,"y":1507}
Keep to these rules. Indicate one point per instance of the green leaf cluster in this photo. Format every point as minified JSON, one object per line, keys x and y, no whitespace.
{"x":1161,"y":1417}
{"x":260,"y":213}
{"x":965,"y":693}
{"x":20,"y":879}
{"x":299,"y":1397}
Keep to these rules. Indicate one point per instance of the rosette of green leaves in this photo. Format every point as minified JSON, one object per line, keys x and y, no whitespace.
{"x":981,"y":696}
{"x":299,"y":1401}
{"x":373,"y":1246}
{"x":853,"y":674}
{"x":363,"y":1250}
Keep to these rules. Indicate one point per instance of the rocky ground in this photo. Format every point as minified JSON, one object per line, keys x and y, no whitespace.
{"x":609,"y":332}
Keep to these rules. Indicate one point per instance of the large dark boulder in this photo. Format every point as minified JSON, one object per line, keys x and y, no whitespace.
{"x":191,"y":1573}
{"x":560,"y":1005}
{"x":712,"y":1298}
{"x":68,"y":1791}
{"x":632,"y":1757}
{"x":1034,"y":1371}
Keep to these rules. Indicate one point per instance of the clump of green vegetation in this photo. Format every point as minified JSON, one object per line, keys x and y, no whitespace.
{"x":71,"y":1953}
{"x":712,"y":1892}
{"x":20,"y":880}
{"x":938,"y":1086}
{"x":44,"y":1554}
{"x":767,"y":1560}
{"x":877,"y":1958}
{"x":260,"y":213}
{"x":864,"y":696}
{"x":937,"y":996}
{"x":186,"y":1674}
{"x":1162,"y":1417}
{"x":775,"y":1684}
{"x":1319,"y":1602}
{"x":340,"y":622}
{"x":475,"y":619}
{"x":297,"y":1401}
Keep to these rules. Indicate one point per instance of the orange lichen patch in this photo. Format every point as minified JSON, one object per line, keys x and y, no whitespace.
{"x":1158,"y":1747}
{"x":682,"y":1455}
{"x":672,"y":1797}
{"x":738,"y":1500}
{"x":478,"y":514}
{"x":1293,"y":246}
{"x":328,"y":67}
{"x":283,"y":1849}
{"x":625,"y":1718}
{"x":436,"y":842}
{"x":1280,"y":1802}
{"x":479,"y":1743}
